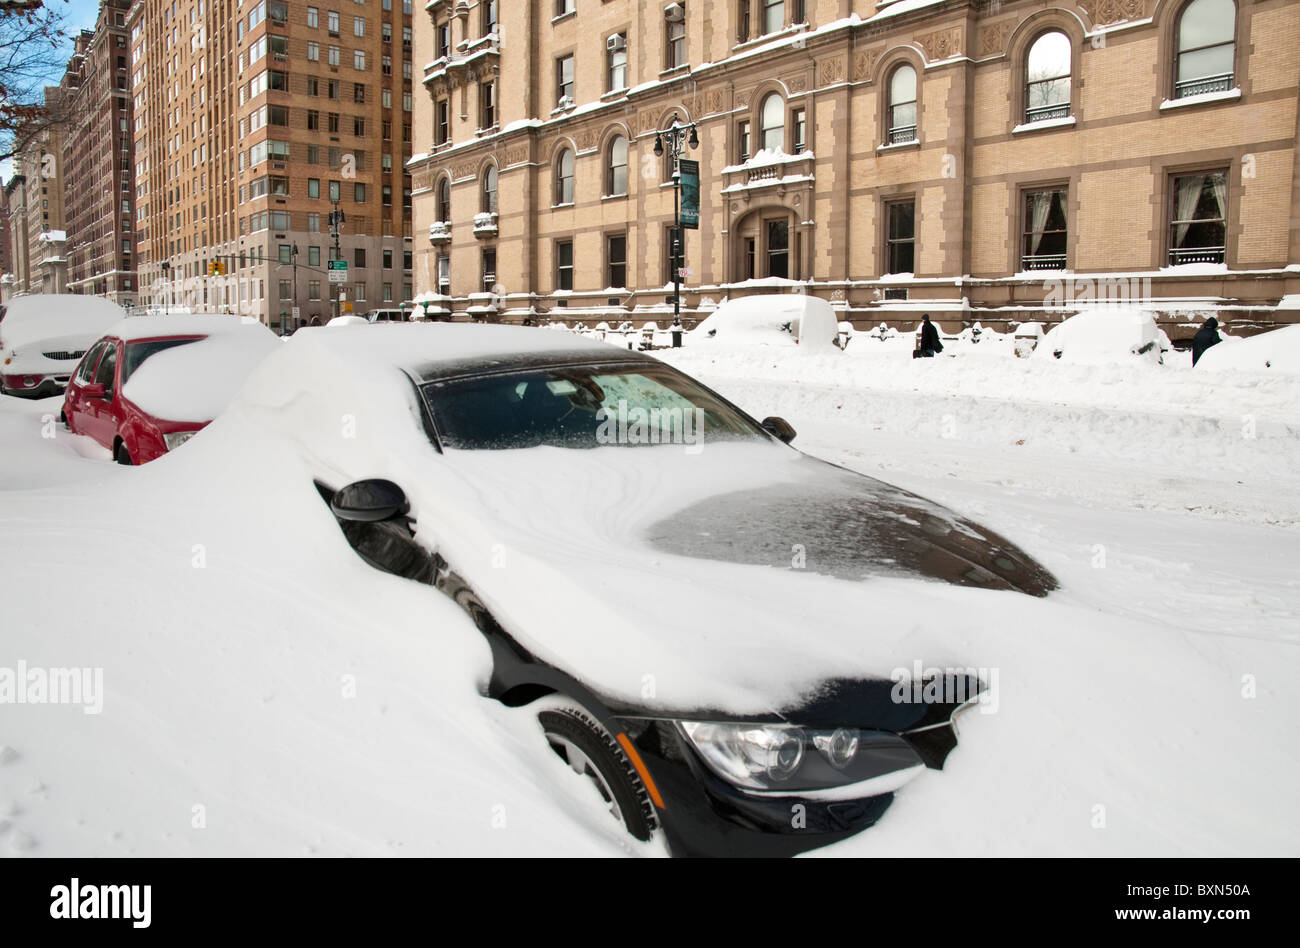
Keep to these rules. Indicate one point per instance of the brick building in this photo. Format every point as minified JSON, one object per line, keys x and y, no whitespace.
{"x":35,"y":201}
{"x":97,"y":160}
{"x":253,"y":120}
{"x":975,"y":160}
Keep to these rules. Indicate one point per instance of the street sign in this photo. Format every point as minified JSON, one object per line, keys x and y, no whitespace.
{"x":297,"y":312}
{"x":338,"y":271}
{"x":690,"y":181}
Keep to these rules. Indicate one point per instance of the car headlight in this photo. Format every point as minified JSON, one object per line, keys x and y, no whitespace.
{"x":787,"y":760}
{"x":175,"y":439}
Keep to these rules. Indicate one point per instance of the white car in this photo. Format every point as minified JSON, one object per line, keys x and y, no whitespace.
{"x":43,"y":337}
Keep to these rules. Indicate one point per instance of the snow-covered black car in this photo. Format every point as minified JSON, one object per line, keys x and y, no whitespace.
{"x":704,"y":619}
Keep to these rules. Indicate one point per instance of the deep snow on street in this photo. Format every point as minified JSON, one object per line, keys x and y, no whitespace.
{"x":267,"y":693}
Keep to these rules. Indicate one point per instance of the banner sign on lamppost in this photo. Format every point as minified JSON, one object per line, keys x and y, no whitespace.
{"x":690,"y":178}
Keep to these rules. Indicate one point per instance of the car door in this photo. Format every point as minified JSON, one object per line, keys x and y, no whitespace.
{"x":101,"y":413}
{"x":76,"y":407}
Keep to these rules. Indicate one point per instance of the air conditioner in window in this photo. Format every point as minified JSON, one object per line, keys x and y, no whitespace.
{"x":674,"y":13}
{"x":616,"y":43}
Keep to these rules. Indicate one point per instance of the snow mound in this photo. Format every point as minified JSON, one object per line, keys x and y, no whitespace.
{"x":195,"y":382}
{"x":1105,"y":335}
{"x":348,"y":321}
{"x":772,"y":319}
{"x":1276,"y":351}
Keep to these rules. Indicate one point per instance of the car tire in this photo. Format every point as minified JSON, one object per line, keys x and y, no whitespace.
{"x":590,"y":750}
{"x":122,"y":456}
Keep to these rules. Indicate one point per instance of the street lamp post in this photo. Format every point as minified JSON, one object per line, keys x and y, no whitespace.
{"x":336,"y":226}
{"x":293,"y":310}
{"x":677,"y":142}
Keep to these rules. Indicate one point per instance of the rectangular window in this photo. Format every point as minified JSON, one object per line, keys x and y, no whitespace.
{"x":489,"y":270}
{"x":742,"y":142}
{"x":358,"y":26}
{"x":1044,"y":233}
{"x":676,"y":42}
{"x":313,"y":52}
{"x":1198,"y":218}
{"x":333,"y":56}
{"x":616,"y":260}
{"x":359,"y":257}
{"x":359,"y":93}
{"x":563,"y":6}
{"x":333,"y":22}
{"x":800,"y":122}
{"x":564,"y":78}
{"x":388,"y":293}
{"x":388,"y":259}
{"x":313,"y":223}
{"x":442,"y":121}
{"x":313,"y":256}
{"x":487,"y":101}
{"x":336,"y":190}
{"x":313,"y":187}
{"x":358,"y":125}
{"x":334,"y":123}
{"x":313,"y":290}
{"x":359,"y":59}
{"x":442,"y":40}
{"x":359,"y":192}
{"x":444,"y":275}
{"x":313,"y":17}
{"x":773,"y":15}
{"x":564,"y":265}
{"x":286,"y":254}
{"x":900,"y":237}
{"x":617,"y":53}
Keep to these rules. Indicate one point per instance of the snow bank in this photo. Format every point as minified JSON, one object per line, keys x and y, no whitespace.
{"x":1107,"y":334}
{"x":1277,"y":351}
{"x":63,"y":322}
{"x":195,"y":381}
{"x":770,"y":319}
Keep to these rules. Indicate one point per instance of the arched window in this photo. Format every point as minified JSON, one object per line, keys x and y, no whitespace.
{"x":1207,"y":33}
{"x":771,"y":122}
{"x":616,"y":175}
{"x":444,"y":199}
{"x":490,"y":189}
{"x":1047,"y":78}
{"x":564,"y":178}
{"x":901,"y":120}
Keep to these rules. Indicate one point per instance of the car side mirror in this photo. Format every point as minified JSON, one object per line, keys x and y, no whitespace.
{"x":779,"y":428}
{"x":369,"y":501}
{"x":94,"y":390}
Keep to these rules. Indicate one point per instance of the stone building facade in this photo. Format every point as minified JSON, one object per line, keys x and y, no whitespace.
{"x":991,"y":160}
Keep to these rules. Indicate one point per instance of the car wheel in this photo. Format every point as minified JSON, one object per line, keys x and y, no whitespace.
{"x":122,"y":456}
{"x":590,"y":750}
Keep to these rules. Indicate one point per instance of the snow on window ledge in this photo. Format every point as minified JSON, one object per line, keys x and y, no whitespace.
{"x":1067,"y":122}
{"x":1227,"y":95}
{"x":914,"y":143}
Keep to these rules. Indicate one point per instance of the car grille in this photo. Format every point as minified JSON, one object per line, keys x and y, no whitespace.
{"x":64,"y":354}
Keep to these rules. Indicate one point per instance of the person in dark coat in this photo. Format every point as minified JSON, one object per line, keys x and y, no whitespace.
{"x":930,"y":343}
{"x":1205,"y":337}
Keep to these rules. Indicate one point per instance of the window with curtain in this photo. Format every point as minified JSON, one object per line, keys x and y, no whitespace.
{"x":1044,"y":244}
{"x":490,"y":189}
{"x":564,"y":178}
{"x":1047,"y":78}
{"x":616,"y":175}
{"x":1207,"y":31}
{"x":902,"y":105}
{"x":772,"y":123}
{"x":1198,"y":218}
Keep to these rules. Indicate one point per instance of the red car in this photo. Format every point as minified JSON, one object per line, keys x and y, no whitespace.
{"x":140,"y":400}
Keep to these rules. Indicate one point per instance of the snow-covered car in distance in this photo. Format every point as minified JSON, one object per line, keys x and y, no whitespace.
{"x":44,"y":336}
{"x":622,"y":536}
{"x":152,"y":382}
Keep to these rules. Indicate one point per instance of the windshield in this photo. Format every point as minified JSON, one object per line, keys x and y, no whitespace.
{"x":137,"y":352}
{"x":582,"y":407}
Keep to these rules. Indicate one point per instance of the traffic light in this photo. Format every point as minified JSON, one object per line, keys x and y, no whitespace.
{"x":216,"y":268}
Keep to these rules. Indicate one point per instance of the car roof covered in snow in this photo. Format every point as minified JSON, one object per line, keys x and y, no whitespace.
{"x":432,"y":351}
{"x":43,"y":316}
{"x":181,"y":324}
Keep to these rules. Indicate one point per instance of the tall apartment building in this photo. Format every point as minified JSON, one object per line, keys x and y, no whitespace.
{"x":253,"y":122}
{"x":35,"y":196}
{"x":98,"y":154}
{"x":975,"y":159}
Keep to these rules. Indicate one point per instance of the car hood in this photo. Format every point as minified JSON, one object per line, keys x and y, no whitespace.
{"x":743,"y":577}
